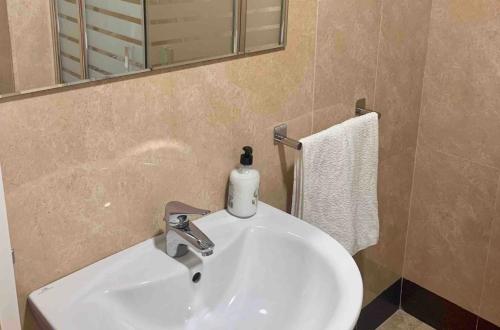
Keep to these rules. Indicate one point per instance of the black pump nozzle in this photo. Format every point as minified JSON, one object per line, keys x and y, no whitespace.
{"x":247,"y":158}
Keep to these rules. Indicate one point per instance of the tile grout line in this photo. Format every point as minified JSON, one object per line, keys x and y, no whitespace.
{"x":487,"y":258}
{"x":315,"y":67}
{"x":417,"y":147}
{"x":412,"y":191}
{"x":426,"y":145}
{"x":381,"y":11}
{"x":410,"y":204}
{"x":375,"y":108}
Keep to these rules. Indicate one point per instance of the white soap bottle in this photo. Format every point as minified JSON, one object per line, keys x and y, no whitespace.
{"x":244,"y":182}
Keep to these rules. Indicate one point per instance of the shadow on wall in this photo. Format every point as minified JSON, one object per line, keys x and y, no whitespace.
{"x":287,"y":174}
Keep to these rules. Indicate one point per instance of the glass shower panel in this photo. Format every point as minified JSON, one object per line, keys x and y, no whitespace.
{"x":115,"y":37}
{"x":264,"y":24}
{"x":189,"y":30}
{"x":70,"y":42}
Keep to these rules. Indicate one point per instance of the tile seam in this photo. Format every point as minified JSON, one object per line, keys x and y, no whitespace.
{"x":313,"y":105}
{"x":487,"y":258}
{"x":417,"y":147}
{"x":452,"y":155}
{"x":379,"y":42}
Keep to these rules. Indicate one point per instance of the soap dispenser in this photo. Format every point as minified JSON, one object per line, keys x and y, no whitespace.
{"x":244,"y":187}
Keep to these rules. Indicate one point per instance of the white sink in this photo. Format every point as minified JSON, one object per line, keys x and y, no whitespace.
{"x":272,"y":271}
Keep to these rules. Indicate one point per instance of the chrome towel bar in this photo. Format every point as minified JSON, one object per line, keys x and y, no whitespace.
{"x":280,"y":131}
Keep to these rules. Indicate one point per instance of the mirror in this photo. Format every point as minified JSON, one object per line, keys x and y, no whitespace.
{"x":51,"y":43}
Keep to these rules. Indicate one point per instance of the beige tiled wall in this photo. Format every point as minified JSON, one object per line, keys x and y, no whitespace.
{"x":6,"y":75}
{"x":401,"y":61}
{"x":87,"y":171}
{"x":346,"y":67}
{"x":376,"y":49}
{"x":455,"y":219}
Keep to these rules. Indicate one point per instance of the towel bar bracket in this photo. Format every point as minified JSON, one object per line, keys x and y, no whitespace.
{"x":280,"y":137}
{"x":360,"y":109}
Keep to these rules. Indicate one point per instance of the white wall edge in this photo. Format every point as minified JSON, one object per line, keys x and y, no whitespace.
{"x":9,"y":310}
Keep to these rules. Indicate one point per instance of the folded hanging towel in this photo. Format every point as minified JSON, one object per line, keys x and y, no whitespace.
{"x":335,"y":182}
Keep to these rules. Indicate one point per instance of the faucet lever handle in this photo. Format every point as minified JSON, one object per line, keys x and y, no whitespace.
{"x":176,"y":213}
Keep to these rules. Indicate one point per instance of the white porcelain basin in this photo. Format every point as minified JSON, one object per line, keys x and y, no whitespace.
{"x":272,"y":271}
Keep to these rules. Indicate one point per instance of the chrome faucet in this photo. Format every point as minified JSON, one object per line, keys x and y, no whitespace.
{"x":181,"y":232}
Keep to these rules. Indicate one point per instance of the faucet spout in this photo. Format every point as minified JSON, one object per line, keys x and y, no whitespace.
{"x":181,"y":233}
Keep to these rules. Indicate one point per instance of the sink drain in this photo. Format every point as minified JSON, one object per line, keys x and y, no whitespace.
{"x":197,"y":277}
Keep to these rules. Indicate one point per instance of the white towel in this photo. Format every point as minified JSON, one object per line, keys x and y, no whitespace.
{"x":335,"y":185}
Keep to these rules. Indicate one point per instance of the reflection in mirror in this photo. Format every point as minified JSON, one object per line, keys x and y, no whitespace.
{"x":183,"y":31}
{"x":52,"y":42}
{"x":264,"y":24}
{"x":6,"y":74}
{"x":99,"y":38}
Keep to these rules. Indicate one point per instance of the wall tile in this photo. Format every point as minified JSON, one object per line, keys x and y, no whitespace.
{"x":346,"y":60}
{"x":403,"y":46}
{"x":347,"y":45}
{"x":329,"y":116}
{"x":490,"y":303}
{"x":401,"y":62}
{"x":346,"y":70}
{"x":381,"y":265}
{"x":376,"y":276}
{"x":460,"y":111}
{"x":449,"y":229}
{"x":395,"y":178}
{"x":42,"y":135}
{"x":457,"y":164}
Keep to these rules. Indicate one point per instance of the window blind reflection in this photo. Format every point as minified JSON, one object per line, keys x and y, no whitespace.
{"x":264,"y":19}
{"x":115,"y":37}
{"x":99,"y":38}
{"x":188,"y":30}
{"x":70,"y":46}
